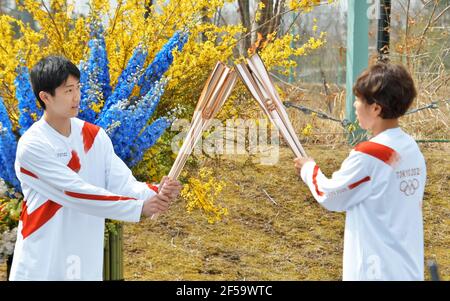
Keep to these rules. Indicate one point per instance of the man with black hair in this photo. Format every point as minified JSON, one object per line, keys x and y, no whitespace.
{"x":72,"y":180}
{"x":380,"y":185}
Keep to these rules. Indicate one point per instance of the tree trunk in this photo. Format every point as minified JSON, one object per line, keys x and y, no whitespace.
{"x":263,"y":26}
{"x":205,"y":20}
{"x":148,"y":8}
{"x":279,"y":11}
{"x":270,"y":20}
{"x":244,"y":12}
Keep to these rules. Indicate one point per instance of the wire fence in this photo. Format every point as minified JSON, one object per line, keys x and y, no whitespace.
{"x":345,"y":123}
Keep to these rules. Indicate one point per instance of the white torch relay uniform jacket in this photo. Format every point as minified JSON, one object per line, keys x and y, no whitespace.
{"x":70,"y":185}
{"x":380,"y":186}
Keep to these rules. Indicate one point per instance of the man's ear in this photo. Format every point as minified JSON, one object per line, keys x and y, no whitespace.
{"x":45,"y":97}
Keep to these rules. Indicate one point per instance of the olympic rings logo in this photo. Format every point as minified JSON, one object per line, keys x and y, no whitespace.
{"x":409,"y":187}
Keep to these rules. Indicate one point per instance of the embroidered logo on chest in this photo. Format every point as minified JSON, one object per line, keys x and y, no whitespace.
{"x":62,"y":155}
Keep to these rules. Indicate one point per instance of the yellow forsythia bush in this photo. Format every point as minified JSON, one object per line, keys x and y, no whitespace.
{"x":60,"y":31}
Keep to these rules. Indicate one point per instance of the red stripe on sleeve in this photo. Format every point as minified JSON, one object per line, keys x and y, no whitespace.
{"x":89,"y":132}
{"x":153,"y":187}
{"x":314,"y":179}
{"x":379,"y":151}
{"x":97,"y":197}
{"x":39,"y":217}
{"x":356,"y":184}
{"x":27,"y":172}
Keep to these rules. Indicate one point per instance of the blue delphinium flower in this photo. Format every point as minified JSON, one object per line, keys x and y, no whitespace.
{"x":88,"y":91}
{"x":125,"y":119}
{"x":29,"y":110}
{"x":148,"y":137}
{"x":100,"y":56}
{"x":130,"y":132}
{"x":137,"y":117}
{"x":128,"y":78}
{"x":162,"y":62}
{"x":8,"y":147}
{"x":95,"y":81}
{"x":115,"y":114}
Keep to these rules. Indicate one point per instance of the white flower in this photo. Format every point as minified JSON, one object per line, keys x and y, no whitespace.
{"x":3,"y":188}
{"x":7,"y":242}
{"x":1,"y":128}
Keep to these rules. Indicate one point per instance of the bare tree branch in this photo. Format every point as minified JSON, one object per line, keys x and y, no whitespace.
{"x":425,"y":30}
{"x":55,"y":26}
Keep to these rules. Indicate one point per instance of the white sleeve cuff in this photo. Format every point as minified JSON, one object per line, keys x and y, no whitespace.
{"x":136,"y":215}
{"x":150,"y":192}
{"x":306,"y":171}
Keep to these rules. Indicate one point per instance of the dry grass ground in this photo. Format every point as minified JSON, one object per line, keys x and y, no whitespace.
{"x":289,"y":237}
{"x":3,"y":272}
{"x":294,"y":239}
